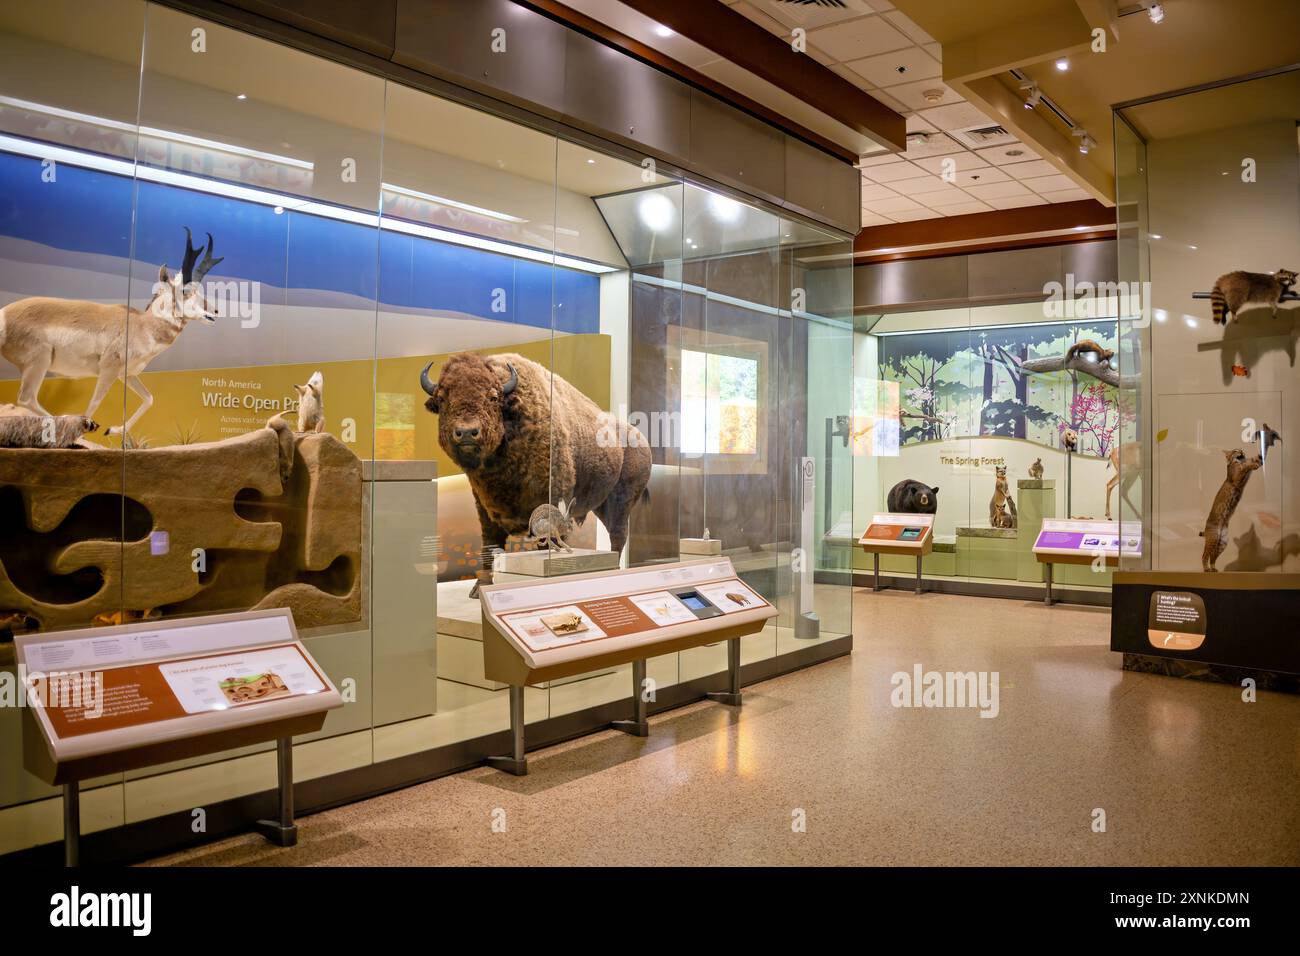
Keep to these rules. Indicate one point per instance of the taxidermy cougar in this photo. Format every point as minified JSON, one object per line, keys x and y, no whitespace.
{"x":77,"y":338}
{"x":311,"y":404}
{"x":1002,"y":510}
{"x":1225,"y":503}
{"x":1235,"y":290}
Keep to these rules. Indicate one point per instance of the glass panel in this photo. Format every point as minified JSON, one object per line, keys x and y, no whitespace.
{"x":469,"y":285}
{"x":69,"y":87}
{"x":1208,"y":213}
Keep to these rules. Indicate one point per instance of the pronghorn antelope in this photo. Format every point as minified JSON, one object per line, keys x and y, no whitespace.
{"x":1126,"y":459}
{"x":79,"y":338}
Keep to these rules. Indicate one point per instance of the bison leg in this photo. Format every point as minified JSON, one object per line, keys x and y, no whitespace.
{"x":494,"y":540}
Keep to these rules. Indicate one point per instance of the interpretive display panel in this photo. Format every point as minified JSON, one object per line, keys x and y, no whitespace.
{"x":899,"y":534}
{"x":1080,"y":542}
{"x":621,"y":613}
{"x":122,"y":697}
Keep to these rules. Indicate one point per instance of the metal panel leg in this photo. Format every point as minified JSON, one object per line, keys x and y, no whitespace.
{"x":875,"y":571}
{"x":282,"y":832}
{"x":516,"y":763}
{"x":72,"y":824}
{"x":638,"y":726}
{"x":731,"y":695}
{"x":918,"y":574}
{"x":1047,"y":576}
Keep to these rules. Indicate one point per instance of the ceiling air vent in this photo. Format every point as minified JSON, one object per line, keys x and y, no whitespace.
{"x":837,"y":4}
{"x":977,"y":137}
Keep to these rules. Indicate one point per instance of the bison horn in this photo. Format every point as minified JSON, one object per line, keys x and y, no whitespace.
{"x":425,"y":383}
{"x":514,"y":380}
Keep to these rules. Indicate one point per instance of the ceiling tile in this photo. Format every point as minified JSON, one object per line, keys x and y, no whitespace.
{"x":959,"y":161}
{"x":1050,"y":184}
{"x":1015,"y":202}
{"x":912,"y":31}
{"x":1001,"y":155}
{"x":943,"y":196}
{"x":1038,"y":168}
{"x":871,"y":219}
{"x":912,"y":215}
{"x":893,"y":172}
{"x":921,"y":184}
{"x":912,"y":94}
{"x":1065,"y":195}
{"x":918,"y":124}
{"x":997,"y":190}
{"x":880,"y":160}
{"x":858,"y":38}
{"x":935,"y":50}
{"x":935,"y":144}
{"x":965,"y":209}
{"x":872,"y":191}
{"x":891,"y":206}
{"x":955,"y":116}
{"x":889,"y":101}
{"x":884,"y":68}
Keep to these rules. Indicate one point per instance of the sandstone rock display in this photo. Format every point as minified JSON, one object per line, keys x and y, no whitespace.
{"x":102,"y":533}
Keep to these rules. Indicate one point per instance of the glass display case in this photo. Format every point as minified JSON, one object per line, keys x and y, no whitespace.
{"x":1209,"y":215}
{"x":339,"y":339}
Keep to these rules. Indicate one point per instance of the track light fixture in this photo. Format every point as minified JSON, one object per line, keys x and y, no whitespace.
{"x":1086,"y":142}
{"x":1032,"y":93}
{"x":1156,"y":12}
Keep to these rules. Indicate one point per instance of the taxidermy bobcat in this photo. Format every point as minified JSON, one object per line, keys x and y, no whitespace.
{"x":1225,"y":503}
{"x":1234,"y":291}
{"x":1002,"y":510}
{"x":20,"y":428}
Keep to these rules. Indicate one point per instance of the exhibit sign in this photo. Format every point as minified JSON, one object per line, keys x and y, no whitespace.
{"x":1077,"y":541}
{"x":117,"y":690}
{"x":891,"y":533}
{"x":614,"y":611}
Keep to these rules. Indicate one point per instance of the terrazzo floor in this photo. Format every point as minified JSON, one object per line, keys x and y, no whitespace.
{"x":1185,"y":772}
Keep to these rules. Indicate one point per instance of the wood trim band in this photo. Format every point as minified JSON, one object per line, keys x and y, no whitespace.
{"x":1009,"y":228}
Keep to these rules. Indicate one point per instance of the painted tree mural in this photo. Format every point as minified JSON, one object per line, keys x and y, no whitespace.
{"x":964,"y":383}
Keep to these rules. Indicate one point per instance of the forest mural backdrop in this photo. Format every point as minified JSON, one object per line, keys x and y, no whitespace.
{"x":968,"y":382}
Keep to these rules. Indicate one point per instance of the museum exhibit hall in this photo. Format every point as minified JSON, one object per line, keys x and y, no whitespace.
{"x":651,"y":433}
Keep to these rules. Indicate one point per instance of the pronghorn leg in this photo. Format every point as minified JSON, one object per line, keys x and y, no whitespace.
{"x":133,"y":382}
{"x":107,"y":376}
{"x":33,"y":376}
{"x":1110,"y":486}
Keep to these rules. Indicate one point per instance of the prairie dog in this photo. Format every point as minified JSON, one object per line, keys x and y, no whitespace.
{"x":311,"y":404}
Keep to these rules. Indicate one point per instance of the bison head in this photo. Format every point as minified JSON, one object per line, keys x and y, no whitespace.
{"x":470,"y":400}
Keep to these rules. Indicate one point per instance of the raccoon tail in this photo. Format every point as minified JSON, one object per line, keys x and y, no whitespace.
{"x":1218,"y":305}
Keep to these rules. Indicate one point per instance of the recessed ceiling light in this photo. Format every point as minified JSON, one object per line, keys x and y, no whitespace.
{"x":663,"y":31}
{"x":1156,"y":235}
{"x":591,"y":162}
{"x":1193,"y":248}
{"x":241,"y":96}
{"x":1062,"y":64}
{"x":1015,"y":152}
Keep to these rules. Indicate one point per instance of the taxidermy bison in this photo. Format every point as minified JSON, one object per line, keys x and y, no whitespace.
{"x":525,"y":437}
{"x":912,"y":497}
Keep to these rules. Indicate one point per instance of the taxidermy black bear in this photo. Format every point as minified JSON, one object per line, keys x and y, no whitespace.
{"x":912,"y":497}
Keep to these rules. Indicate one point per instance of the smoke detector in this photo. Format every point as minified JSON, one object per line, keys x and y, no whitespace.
{"x":932,"y":96}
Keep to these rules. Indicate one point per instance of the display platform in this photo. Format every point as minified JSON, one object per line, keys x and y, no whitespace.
{"x":1209,"y":625}
{"x":911,"y":535}
{"x":1082,"y":542}
{"x":550,"y":629}
{"x":111,"y":699}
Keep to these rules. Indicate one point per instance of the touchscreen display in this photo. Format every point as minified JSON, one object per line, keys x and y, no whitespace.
{"x":693,"y":601}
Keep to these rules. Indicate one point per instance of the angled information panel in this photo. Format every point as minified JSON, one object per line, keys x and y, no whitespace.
{"x":117,"y":698}
{"x":557,"y":627}
{"x":898,"y":534}
{"x":1078,"y":541}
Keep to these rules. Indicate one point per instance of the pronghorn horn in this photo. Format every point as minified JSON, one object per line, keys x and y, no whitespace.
{"x":191,"y":256}
{"x":208,"y":262}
